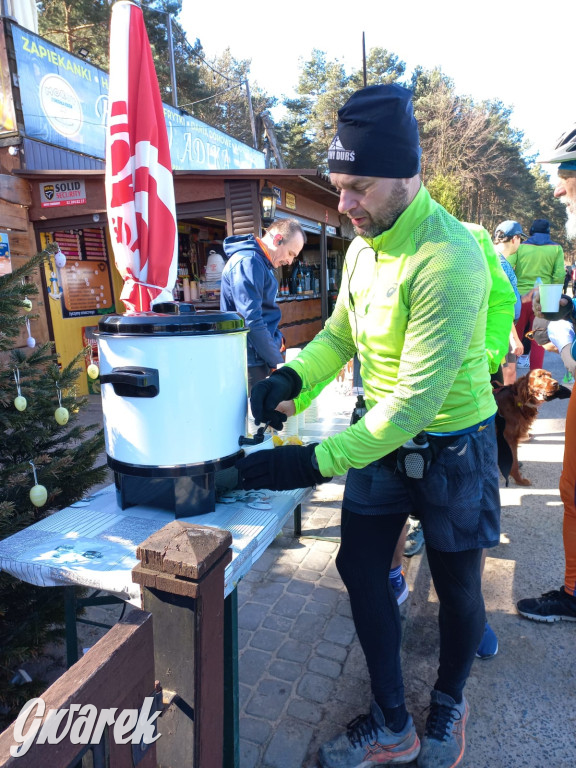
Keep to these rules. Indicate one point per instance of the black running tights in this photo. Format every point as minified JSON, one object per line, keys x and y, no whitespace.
{"x":364,"y":559}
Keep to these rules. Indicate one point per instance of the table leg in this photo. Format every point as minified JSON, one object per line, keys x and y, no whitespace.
{"x":231,"y":758}
{"x":71,"y":631}
{"x":298,"y":520}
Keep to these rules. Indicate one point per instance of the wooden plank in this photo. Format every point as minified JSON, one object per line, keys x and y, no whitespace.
{"x":296,"y":311}
{"x":22,"y":243}
{"x":301,"y":333}
{"x":15,"y":190}
{"x":117,"y":672}
{"x":13,"y":216}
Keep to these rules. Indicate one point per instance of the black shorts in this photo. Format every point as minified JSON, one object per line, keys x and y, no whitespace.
{"x":458,"y":501}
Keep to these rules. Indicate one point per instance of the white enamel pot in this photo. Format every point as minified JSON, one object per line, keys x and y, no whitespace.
{"x":174,"y":387}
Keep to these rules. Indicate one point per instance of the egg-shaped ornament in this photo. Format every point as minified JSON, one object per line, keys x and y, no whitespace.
{"x":38,"y":495}
{"x":93,"y":371}
{"x":20,"y":403}
{"x":26,"y":305}
{"x":60,"y":259}
{"x":61,"y":415}
{"x":31,"y":342}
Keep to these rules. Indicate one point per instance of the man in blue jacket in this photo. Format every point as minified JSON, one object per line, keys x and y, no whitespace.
{"x":249,"y":287}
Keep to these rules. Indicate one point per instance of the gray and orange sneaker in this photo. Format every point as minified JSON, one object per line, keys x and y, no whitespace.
{"x":444,"y":740}
{"x":368,"y":742}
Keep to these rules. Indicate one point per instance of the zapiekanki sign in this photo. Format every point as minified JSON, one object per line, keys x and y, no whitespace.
{"x":65,"y":100}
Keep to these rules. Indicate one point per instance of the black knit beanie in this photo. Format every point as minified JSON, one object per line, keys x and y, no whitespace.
{"x":377,"y":134}
{"x":541,"y":226}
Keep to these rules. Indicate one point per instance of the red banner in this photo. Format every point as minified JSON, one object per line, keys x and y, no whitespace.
{"x":139,"y":183}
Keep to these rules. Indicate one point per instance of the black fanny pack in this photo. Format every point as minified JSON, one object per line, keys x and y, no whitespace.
{"x":414,"y":461}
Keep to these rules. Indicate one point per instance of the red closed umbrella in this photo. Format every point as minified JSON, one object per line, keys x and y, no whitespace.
{"x":139,"y":182}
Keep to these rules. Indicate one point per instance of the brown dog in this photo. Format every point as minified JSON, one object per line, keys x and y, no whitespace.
{"x":518,"y":405}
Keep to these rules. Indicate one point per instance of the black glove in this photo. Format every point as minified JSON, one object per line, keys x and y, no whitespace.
{"x":283,"y":384}
{"x":280,"y":469}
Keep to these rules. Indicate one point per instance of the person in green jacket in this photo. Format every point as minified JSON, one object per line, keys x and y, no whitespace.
{"x":537,"y":257}
{"x":412,"y":305}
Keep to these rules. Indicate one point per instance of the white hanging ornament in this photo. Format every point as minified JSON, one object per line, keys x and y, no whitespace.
{"x":38,"y":493}
{"x":61,"y":414}
{"x":60,"y":259}
{"x":30,"y":341}
{"x":20,"y":401}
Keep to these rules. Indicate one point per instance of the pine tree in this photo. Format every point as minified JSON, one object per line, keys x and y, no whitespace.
{"x":64,"y":457}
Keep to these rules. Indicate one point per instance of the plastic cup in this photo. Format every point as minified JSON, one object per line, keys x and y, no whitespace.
{"x":550,"y":294}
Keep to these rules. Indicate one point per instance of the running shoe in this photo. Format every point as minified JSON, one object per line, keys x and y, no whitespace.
{"x":444,"y":740}
{"x":368,"y":742}
{"x":400,"y":588}
{"x":489,"y":644}
{"x":414,"y":539}
{"x":556,"y":605}
{"x":523,"y":361}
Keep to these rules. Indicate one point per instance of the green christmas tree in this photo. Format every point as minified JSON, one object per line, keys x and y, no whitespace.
{"x":35,"y":449}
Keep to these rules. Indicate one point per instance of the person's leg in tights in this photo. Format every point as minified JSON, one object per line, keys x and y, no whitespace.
{"x":458,"y":583}
{"x":366,"y":550}
{"x":536,"y":355}
{"x":567,"y":489}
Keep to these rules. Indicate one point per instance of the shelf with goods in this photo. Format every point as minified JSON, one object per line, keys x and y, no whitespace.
{"x":186,"y":288}
{"x":197,"y":280}
{"x":334,"y":264}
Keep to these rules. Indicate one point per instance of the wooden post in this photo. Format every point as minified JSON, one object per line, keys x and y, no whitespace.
{"x":181,"y":573}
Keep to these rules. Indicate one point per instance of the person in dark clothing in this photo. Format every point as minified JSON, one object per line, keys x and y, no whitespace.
{"x":249,"y":287}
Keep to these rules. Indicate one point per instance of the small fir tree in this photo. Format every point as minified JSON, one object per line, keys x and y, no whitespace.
{"x":64,"y":457}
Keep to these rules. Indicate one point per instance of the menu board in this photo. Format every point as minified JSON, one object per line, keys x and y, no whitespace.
{"x":94,"y":244}
{"x":83,"y":283}
{"x":86,"y":286}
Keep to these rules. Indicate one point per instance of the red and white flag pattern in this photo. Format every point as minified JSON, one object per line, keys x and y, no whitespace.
{"x":139,"y":183}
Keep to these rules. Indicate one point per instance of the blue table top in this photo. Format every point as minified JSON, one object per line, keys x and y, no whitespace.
{"x":93,"y":543}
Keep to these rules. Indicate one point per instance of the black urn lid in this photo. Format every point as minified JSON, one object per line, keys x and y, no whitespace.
{"x":172,"y":318}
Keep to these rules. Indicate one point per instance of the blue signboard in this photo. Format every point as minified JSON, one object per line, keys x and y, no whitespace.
{"x":197,"y":146}
{"x":65,"y":101}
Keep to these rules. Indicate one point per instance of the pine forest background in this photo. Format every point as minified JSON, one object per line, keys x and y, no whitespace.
{"x":474,"y":162}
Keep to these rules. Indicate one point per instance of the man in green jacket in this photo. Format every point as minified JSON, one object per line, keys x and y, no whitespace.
{"x":412,"y":304}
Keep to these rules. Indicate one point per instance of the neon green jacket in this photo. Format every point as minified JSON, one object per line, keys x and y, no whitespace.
{"x":500,"y":302}
{"x":413,"y":301}
{"x":499,"y":320}
{"x":532,"y":261}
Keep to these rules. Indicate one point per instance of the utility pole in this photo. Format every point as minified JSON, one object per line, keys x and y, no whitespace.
{"x":251,"y":112}
{"x":364,"y":59}
{"x":171,"y":61}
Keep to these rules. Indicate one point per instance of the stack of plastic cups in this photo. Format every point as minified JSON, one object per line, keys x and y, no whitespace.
{"x":311,"y":413}
{"x":292,"y":425}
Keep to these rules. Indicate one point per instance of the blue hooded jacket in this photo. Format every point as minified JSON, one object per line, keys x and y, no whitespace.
{"x":249,"y":287}
{"x":539,"y":238}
